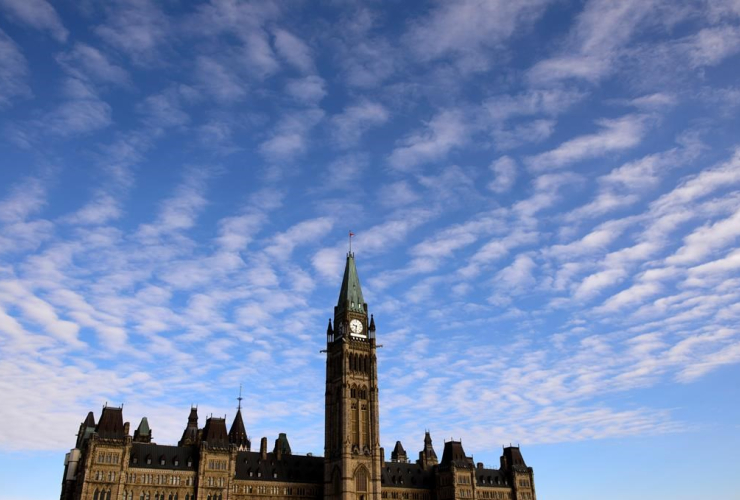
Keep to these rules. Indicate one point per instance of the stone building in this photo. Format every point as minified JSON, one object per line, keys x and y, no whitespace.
{"x":213,"y":463}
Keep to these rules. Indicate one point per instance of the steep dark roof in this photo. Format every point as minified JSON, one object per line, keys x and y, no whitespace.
{"x":455,"y":454}
{"x":143,"y":452}
{"x":282,"y":445}
{"x":214,"y":433}
{"x":143,"y":433}
{"x":399,"y":453}
{"x":428,"y":450}
{"x":406,"y":475}
{"x":490,"y":477}
{"x":350,"y":295}
{"x":237,"y":433}
{"x":290,"y":468}
{"x":111,"y":424}
{"x":190,"y":434}
{"x":89,"y":420}
{"x":514,"y":459}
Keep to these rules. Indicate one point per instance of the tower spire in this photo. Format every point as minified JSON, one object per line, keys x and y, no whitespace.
{"x":350,"y":295}
{"x":239,"y":407}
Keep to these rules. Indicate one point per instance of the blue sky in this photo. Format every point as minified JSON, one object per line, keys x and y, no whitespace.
{"x":545,"y":196}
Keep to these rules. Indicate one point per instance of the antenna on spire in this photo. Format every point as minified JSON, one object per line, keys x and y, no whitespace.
{"x":351,"y":234}
{"x":239,"y":398}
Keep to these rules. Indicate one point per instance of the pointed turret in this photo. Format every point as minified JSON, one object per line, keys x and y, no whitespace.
{"x":329,"y":329}
{"x":86,"y":429}
{"x":399,"y":454}
{"x":427,"y":456}
{"x":143,"y":434}
{"x":89,"y":420}
{"x":282,"y":446}
{"x":238,"y":433}
{"x":350,"y":295}
{"x":190,"y":434}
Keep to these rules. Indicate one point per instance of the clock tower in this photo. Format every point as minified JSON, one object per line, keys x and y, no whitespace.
{"x":352,"y":438}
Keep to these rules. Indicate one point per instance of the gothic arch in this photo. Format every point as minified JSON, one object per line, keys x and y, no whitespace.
{"x":361,"y":478}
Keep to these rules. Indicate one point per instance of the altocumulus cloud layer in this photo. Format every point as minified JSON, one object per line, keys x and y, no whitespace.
{"x":546,"y":198}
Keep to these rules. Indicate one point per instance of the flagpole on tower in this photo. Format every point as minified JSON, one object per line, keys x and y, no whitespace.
{"x":351,"y":234}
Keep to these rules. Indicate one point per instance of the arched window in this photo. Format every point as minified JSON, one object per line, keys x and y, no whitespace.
{"x":361,"y":479}
{"x":141,"y":497}
{"x":107,"y":496}
{"x":96,"y":494}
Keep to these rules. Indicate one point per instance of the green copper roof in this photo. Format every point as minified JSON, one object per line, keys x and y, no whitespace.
{"x":350,"y":296}
{"x":144,"y":427}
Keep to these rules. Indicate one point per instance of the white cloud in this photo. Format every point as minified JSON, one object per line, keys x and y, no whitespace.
{"x":82,"y":113}
{"x":136,"y":27}
{"x":615,"y":135}
{"x":398,"y":194}
{"x":38,"y":14}
{"x":289,"y":138}
{"x":179,"y":212}
{"x":219,"y":80}
{"x":444,"y":132}
{"x":86,"y":62}
{"x":308,"y":231}
{"x":25,"y":198}
{"x":707,"y":239}
{"x":528,"y":132}
{"x":294,"y":50}
{"x":505,"y":172}
{"x":517,"y":275}
{"x":470,"y":31}
{"x":549,"y":102}
{"x":346,"y":170}
{"x":310,"y":89}
{"x":355,"y":120}
{"x":710,"y":46}
{"x":13,"y":71}
{"x":601,"y":32}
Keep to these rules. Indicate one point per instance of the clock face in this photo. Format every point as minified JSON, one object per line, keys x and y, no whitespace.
{"x":355,"y":326}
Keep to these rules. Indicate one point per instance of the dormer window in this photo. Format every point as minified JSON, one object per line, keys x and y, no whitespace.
{"x":135,"y":460}
{"x":148,"y":459}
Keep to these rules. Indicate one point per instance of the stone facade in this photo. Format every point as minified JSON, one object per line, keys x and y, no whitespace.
{"x":210,"y":463}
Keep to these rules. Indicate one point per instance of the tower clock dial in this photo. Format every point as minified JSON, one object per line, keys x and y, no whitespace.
{"x":355,"y":327}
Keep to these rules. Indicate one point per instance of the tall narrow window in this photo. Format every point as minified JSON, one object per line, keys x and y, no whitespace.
{"x":355,"y":423}
{"x":364,"y":423}
{"x":361,"y":479}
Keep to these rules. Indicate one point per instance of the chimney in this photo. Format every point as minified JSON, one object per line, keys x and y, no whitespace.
{"x":126,"y":427}
{"x":263,"y":448}
{"x":480,"y":465}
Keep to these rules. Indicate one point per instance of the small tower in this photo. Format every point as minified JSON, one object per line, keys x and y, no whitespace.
{"x":427,"y":456}
{"x":143,"y":433}
{"x":399,"y":454}
{"x":190,"y":434}
{"x":238,"y":433}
